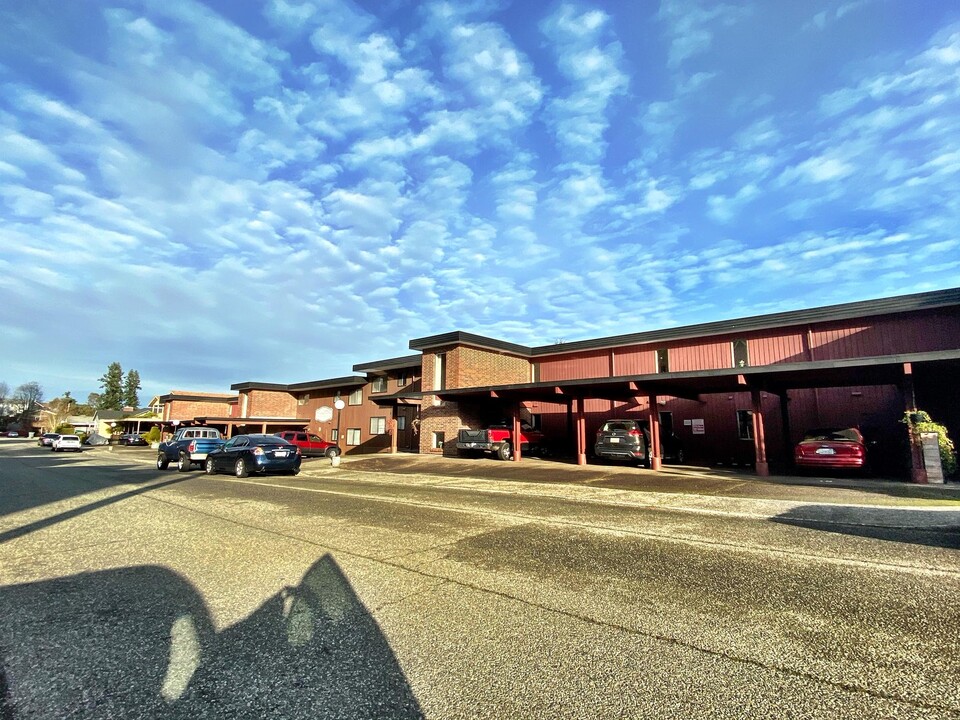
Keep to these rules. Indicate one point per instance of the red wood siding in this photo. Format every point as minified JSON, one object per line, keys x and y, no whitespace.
{"x":593,"y":364}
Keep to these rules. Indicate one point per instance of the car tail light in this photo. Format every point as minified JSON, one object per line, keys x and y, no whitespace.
{"x":258,"y":450}
{"x":634,"y":432}
{"x":297,"y":449}
{"x":192,"y":447}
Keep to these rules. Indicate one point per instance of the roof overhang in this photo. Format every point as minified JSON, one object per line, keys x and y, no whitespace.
{"x":407,"y":361}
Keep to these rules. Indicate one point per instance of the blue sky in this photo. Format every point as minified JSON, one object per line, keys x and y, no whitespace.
{"x":218,"y":192}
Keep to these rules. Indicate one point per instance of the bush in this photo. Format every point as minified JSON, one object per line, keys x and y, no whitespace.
{"x":66,"y":430}
{"x":152,"y":435}
{"x":920,"y":422}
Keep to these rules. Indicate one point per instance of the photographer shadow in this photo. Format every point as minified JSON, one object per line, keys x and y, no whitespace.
{"x":139,"y":642}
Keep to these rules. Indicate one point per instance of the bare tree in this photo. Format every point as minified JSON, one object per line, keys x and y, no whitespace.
{"x":4,"y":392}
{"x":27,"y":397}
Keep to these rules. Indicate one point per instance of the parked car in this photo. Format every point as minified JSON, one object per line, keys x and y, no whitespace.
{"x":498,"y":440}
{"x":46,"y":440}
{"x":309,"y":443}
{"x":622,"y":440}
{"x":66,"y":442}
{"x":246,"y":454}
{"x":132,"y":439}
{"x":831,"y":448}
{"x":12,"y":433}
{"x":188,"y":447}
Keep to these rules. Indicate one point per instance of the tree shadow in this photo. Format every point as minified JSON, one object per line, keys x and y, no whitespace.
{"x":934,"y":528}
{"x":139,"y":642}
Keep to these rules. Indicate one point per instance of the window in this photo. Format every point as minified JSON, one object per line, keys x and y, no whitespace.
{"x":380,"y":383}
{"x":437,"y":443}
{"x":402,"y":379}
{"x":745,"y":424}
{"x":740,"y":356}
{"x":402,"y":422}
{"x":663,"y":360}
{"x":378,"y":425}
{"x":440,"y":371}
{"x":534,"y":372}
{"x":334,"y":435}
{"x":303,"y":399}
{"x":356,"y":397}
{"x":353,"y":436}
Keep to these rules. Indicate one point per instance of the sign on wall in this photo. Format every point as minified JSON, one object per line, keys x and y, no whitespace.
{"x":324,"y":413}
{"x":697,"y":426}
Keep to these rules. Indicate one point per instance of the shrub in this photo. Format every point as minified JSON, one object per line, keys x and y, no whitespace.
{"x":66,"y":430}
{"x":152,"y":435}
{"x":920,"y":422}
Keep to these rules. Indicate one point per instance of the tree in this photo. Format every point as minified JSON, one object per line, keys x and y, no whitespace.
{"x":93,"y":400}
{"x":4,"y":392}
{"x":130,"y":387}
{"x":112,"y":383}
{"x":27,"y":397}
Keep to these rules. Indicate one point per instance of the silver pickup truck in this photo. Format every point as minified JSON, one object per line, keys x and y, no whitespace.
{"x":188,"y":447}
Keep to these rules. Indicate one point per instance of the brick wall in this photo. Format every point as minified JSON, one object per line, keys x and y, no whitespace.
{"x":466,"y":367}
{"x":269,"y":403}
{"x":189,"y":409}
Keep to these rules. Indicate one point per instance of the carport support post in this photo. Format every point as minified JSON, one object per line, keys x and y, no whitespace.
{"x":516,"y":433}
{"x":656,"y":461}
{"x":918,"y":471}
{"x":759,"y":442}
{"x":581,"y":434}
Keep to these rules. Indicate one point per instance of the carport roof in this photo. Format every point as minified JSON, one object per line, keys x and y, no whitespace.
{"x":880,"y":370}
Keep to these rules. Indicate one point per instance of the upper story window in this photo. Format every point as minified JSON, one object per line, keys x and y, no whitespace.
{"x":303,"y":399}
{"x":356,"y":397}
{"x":740,"y":356}
{"x":535,"y":372}
{"x":663,"y":360}
{"x":440,"y":371}
{"x":380,"y":383}
{"x":402,"y":379}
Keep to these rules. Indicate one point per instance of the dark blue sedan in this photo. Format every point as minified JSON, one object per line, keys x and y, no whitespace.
{"x":246,"y":454}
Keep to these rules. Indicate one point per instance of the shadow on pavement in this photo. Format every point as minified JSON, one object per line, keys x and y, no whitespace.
{"x":940,"y":528}
{"x":139,"y":642}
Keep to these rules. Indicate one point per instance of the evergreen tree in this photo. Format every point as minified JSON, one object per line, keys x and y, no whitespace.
{"x":112,"y":383}
{"x":130,"y":387}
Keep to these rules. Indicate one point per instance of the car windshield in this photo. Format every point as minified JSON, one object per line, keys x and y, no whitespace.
{"x":847,"y":434}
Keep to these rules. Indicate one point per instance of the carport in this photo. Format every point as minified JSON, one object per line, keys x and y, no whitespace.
{"x":896,"y":370}
{"x":230,"y":426}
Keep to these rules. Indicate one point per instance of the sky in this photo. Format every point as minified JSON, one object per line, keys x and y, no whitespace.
{"x":219,"y":192}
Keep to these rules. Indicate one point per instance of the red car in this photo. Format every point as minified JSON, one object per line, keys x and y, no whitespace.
{"x":831,"y":448}
{"x":309,"y":443}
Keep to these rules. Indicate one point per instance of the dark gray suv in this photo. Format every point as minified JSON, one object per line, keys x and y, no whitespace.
{"x":622,"y":440}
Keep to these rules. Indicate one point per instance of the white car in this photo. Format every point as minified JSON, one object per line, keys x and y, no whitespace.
{"x":66,"y":442}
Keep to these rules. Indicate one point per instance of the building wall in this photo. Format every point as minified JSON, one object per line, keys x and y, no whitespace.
{"x":268,"y":404}
{"x":359,"y":416}
{"x":189,"y":409}
{"x":440,"y":421}
{"x":858,"y":337}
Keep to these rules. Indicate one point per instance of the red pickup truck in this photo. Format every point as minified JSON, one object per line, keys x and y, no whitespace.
{"x":497,"y":439}
{"x":309,"y":443}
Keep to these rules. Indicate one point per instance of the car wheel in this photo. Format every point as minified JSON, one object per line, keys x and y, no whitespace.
{"x":241,"y":468}
{"x":183,"y":462}
{"x":332,"y":452}
{"x":162,"y":462}
{"x":208,"y":466}
{"x":505,"y":452}
{"x":295,"y":471}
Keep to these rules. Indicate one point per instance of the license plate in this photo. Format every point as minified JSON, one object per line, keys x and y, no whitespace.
{"x":280,"y":453}
{"x":614,"y":440}
{"x":826,"y":451}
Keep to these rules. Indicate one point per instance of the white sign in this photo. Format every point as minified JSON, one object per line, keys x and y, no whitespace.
{"x":697,"y":426}
{"x":324,"y":413}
